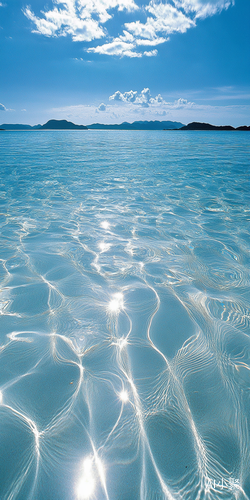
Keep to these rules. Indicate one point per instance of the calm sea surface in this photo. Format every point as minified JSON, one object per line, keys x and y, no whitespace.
{"x":124,"y":315}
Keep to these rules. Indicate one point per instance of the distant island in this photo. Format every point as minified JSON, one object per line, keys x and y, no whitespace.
{"x":66,"y":125}
{"x":18,"y":126}
{"x":62,"y":125}
{"x":138,"y":125}
{"x":207,"y":126}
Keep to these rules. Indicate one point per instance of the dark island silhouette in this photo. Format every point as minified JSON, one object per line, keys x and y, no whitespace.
{"x":138,"y":125}
{"x":18,"y":126}
{"x":62,"y":125}
{"x":207,"y":126}
{"x":66,"y":125}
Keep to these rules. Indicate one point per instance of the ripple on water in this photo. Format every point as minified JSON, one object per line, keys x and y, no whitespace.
{"x":124,"y":316}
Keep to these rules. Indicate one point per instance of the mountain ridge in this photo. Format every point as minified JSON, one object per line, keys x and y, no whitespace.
{"x":208,"y":126}
{"x":66,"y":125}
{"x":62,"y":125}
{"x":137,"y":125}
{"x":19,"y":126}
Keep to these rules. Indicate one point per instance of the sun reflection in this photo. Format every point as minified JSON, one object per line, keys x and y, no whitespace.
{"x":87,"y":483}
{"x":116,"y":304}
{"x":122,"y":342}
{"x":104,"y":247}
{"x":105,"y":224}
{"x":1,"y":397}
{"x":123,"y":396}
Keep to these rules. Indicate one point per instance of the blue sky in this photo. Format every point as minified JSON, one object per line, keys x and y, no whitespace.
{"x":110,"y":61}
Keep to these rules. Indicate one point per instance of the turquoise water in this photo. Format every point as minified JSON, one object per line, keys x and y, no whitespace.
{"x":124,"y":326}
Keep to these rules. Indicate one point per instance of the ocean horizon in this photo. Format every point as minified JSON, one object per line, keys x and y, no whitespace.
{"x":124,"y":315}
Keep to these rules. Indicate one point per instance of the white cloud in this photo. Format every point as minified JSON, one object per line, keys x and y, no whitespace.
{"x":182,"y":103}
{"x":203,"y":8}
{"x":144,"y":98}
{"x":165,"y":19}
{"x":79,"y":18}
{"x":58,"y":22}
{"x":124,"y":45}
{"x":83,"y":20}
{"x":2,"y":107}
{"x":115,"y":48}
{"x":150,"y":53}
{"x":156,"y":41}
{"x":102,"y":107}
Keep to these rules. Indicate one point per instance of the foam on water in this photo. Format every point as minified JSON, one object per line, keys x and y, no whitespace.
{"x":124,"y":316}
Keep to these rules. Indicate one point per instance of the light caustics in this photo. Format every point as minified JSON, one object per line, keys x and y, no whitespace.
{"x":124,"y":326}
{"x":116,"y":303}
{"x":104,"y":247}
{"x":105,"y":224}
{"x":86,"y":486}
{"x":124,"y":397}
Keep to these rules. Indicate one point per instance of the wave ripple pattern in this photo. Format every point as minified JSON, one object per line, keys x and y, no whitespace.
{"x":124,"y":325}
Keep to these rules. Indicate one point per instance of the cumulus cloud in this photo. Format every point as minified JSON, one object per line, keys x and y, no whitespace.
{"x":182,"y":103}
{"x":2,"y":107}
{"x":143,"y":98}
{"x":102,"y":107}
{"x":84,"y":21}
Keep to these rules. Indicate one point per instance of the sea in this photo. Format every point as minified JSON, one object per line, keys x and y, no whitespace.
{"x":124,"y":315}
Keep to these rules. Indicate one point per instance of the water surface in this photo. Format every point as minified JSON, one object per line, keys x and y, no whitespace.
{"x":124,"y":326}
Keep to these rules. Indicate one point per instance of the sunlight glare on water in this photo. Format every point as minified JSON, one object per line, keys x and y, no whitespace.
{"x":116,"y":303}
{"x":105,"y":224}
{"x":87,"y":483}
{"x":124,"y":396}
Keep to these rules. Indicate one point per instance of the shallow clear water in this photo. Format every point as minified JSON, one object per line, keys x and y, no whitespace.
{"x":124,"y":326}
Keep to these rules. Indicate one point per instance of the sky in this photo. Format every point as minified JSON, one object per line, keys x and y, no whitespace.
{"x":110,"y":61}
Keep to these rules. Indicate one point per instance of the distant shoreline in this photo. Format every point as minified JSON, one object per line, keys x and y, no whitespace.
{"x":138,"y":125}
